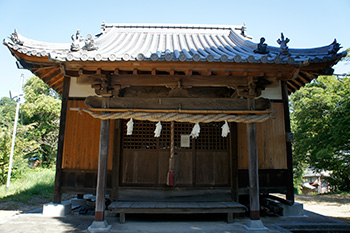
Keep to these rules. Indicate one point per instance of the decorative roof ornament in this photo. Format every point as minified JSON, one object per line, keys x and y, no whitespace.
{"x":77,"y":39}
{"x":103,"y":26}
{"x":89,"y":43}
{"x":334,"y":47}
{"x":243,"y":29}
{"x":15,"y":39}
{"x":261,"y":47}
{"x":283,"y":45}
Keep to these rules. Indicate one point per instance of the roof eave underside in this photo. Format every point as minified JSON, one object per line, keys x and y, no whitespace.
{"x":52,"y":73}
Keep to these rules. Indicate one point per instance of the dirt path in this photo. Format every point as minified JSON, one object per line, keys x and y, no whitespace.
{"x":332,"y":205}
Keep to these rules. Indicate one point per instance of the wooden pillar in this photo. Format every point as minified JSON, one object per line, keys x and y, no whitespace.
{"x":102,"y":171}
{"x":290,"y":186}
{"x":116,"y":158}
{"x":253,"y":172}
{"x":234,"y":161}
{"x":58,"y":176}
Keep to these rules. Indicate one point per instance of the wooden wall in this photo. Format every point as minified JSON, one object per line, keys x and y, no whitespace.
{"x":271,"y":136}
{"x":82,"y":138}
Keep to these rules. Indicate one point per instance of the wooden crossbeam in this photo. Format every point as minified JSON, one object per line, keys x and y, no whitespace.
{"x":173,"y":103}
{"x":168,"y":80}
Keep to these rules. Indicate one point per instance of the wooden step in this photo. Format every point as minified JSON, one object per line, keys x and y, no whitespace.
{"x":164,"y":207}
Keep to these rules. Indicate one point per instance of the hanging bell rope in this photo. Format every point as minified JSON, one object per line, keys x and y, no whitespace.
{"x":182,"y":117}
{"x":225,"y":130}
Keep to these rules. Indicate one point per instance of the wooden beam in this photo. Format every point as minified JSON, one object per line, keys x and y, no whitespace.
{"x":154,"y":72}
{"x":56,"y":81}
{"x":102,"y":171}
{"x":308,"y":75}
{"x":236,"y":112}
{"x":58,"y":176}
{"x":168,"y":80}
{"x":174,"y":103}
{"x":292,"y":85}
{"x":188,"y":72}
{"x":296,"y":82}
{"x":49,"y":74}
{"x":303,"y":79}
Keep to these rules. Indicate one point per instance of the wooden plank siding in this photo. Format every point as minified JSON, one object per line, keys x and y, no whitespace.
{"x":272,"y":152}
{"x":81,"y":144}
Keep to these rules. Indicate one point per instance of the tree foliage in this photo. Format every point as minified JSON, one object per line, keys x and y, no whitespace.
{"x":41,"y":111}
{"x":37,"y":129}
{"x":320,"y":114}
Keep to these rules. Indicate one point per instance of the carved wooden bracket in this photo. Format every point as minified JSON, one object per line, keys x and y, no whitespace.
{"x":179,"y":90}
{"x":105,"y":88}
{"x":255,"y":86}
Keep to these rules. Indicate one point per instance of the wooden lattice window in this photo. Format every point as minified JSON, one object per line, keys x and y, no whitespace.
{"x":210,"y":137}
{"x":182,"y":129}
{"x":143,"y":136}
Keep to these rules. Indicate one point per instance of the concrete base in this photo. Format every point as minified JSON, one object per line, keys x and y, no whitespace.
{"x":99,"y":226}
{"x":255,"y":226}
{"x":57,"y":210}
{"x":296,"y":210}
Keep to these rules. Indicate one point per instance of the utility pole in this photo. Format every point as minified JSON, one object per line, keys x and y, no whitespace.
{"x":17,"y":98}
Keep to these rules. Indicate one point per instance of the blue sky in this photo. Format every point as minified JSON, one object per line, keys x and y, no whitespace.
{"x":307,"y":23}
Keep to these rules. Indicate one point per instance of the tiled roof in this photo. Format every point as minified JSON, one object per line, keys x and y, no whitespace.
{"x":172,"y":43}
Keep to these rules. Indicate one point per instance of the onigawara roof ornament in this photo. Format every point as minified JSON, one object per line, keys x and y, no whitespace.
{"x":77,"y":40}
{"x":78,"y":43}
{"x":261,"y":47}
{"x":15,"y":39}
{"x":283,"y":45}
{"x":334,"y":47}
{"x":243,"y":30}
{"x":89,"y":43}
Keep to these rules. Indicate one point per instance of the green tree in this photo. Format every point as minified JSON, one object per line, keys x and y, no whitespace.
{"x":37,"y":130}
{"x":41,"y":112}
{"x":320,"y":114}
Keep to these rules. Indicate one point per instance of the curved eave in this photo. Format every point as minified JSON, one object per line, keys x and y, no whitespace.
{"x":49,"y":71}
{"x":50,"y":61}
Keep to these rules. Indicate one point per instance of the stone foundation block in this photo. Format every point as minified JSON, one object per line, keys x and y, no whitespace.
{"x":297,"y":210}
{"x":57,"y":210}
{"x":99,"y":227}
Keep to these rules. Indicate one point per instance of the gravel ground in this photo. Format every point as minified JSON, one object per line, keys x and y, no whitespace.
{"x":332,"y":205}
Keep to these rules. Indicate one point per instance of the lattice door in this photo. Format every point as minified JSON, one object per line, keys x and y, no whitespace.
{"x":145,"y":159}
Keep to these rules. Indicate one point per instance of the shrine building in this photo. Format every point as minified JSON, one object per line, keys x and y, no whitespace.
{"x":174,"y":118}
